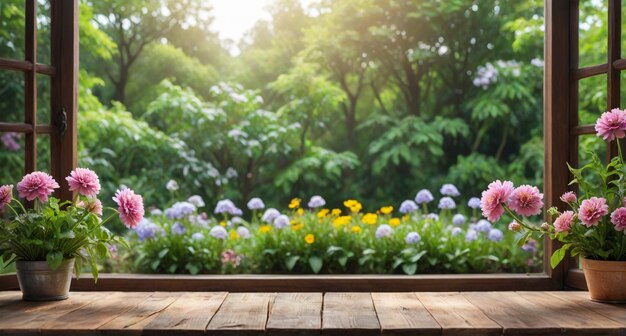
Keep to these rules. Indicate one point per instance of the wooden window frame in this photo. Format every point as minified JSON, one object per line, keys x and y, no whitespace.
{"x":561,"y":130}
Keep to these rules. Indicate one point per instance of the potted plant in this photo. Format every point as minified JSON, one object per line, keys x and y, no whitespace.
{"x":594,"y":227}
{"x":54,"y":238}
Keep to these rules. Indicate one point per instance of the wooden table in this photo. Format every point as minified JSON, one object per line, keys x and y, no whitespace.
{"x":221,"y":313}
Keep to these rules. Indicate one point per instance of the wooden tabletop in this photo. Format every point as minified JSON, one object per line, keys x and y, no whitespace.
{"x":221,"y":313}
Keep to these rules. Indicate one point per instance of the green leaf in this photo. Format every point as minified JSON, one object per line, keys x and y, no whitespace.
{"x":558,"y":255}
{"x":409,"y":269}
{"x":316,"y":264}
{"x":54,"y":259}
{"x":163,"y":253}
{"x":291,"y":261}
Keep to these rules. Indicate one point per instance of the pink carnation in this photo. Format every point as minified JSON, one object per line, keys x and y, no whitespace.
{"x":515,"y":227}
{"x":618,"y":218}
{"x":85,"y":181}
{"x":526,"y":200}
{"x":611,"y":125}
{"x":592,"y":210}
{"x":92,"y":205}
{"x":492,"y":199}
{"x":569,"y":197}
{"x":130,"y":207}
{"x":6,"y":195}
{"x":37,"y":185}
{"x":564,"y":222}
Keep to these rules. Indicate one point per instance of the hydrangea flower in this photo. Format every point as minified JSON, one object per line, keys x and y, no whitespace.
{"x":408,"y":206}
{"x":243,"y":232}
{"x":447,"y":203}
{"x":611,"y":125}
{"x":197,"y":236}
{"x":526,"y":200}
{"x":6,"y":195}
{"x":424,"y":196}
{"x":471,"y":235}
{"x":196,"y":200}
{"x":564,"y":222}
{"x":227,"y":206}
{"x":281,"y":221}
{"x":180,"y":210}
{"x":412,"y":238}
{"x":456,"y":231}
{"x":384,"y":231}
{"x":155,"y":211}
{"x":474,"y":203}
{"x":37,"y":185}
{"x":495,"y":235}
{"x":270,"y":215}
{"x":432,"y":216}
{"x":592,"y":210}
{"x":9,"y":142}
{"x":178,"y":229}
{"x":458,"y":219}
{"x":130,"y":207}
{"x":171,"y":185}
{"x":146,"y":229}
{"x":483,"y":225}
{"x":84,"y":181}
{"x":449,"y":190}
{"x":219,"y":232}
{"x":497,"y":193}
{"x":530,"y":245}
{"x":316,"y":202}
{"x":256,"y":204}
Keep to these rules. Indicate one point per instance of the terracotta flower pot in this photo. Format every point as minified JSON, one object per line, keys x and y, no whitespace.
{"x":40,"y":283}
{"x":606,"y":280}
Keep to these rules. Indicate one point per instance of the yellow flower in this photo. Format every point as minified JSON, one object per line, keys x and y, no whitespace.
{"x":356,"y":229}
{"x":394,"y":221}
{"x":336,"y":212}
{"x":386,"y":210}
{"x":369,"y":218}
{"x":223,"y":223}
{"x":300,"y":212}
{"x":356,"y":208}
{"x":295,"y":203}
{"x":309,"y":239}
{"x":322,"y":213}
{"x":353,"y":205}
{"x":406,"y":217}
{"x":297,"y":226}
{"x":233,"y":235}
{"x":341,"y":221}
{"x":265,"y":228}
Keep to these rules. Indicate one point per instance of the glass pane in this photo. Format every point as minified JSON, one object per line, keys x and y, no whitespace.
{"x":623,"y":89}
{"x":12,"y":157}
{"x":43,"y":153}
{"x":591,"y":98}
{"x":11,"y":96}
{"x":43,"y":99}
{"x":12,"y":29}
{"x":593,"y":32}
{"x":43,"y":31}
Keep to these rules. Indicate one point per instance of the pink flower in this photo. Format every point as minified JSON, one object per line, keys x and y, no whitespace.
{"x":526,"y":200}
{"x":592,"y":210}
{"x":6,"y":195}
{"x":564,"y":222}
{"x":569,"y":197}
{"x":611,"y":125}
{"x":618,"y":218}
{"x":515,"y":227}
{"x":92,"y":205}
{"x":130,"y":207}
{"x":85,"y":181}
{"x":492,"y":199}
{"x":37,"y":185}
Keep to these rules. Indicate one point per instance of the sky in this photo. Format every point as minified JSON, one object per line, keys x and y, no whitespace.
{"x":234,"y":17}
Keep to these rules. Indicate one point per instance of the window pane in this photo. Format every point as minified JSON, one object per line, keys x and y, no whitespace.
{"x":593,"y":32}
{"x":11,"y":96}
{"x":12,"y":29}
{"x":43,"y":153}
{"x":43,"y":31}
{"x":623,"y":89}
{"x":43,"y":99}
{"x":12,"y":157}
{"x":591,"y":98}
{"x":588,"y":146}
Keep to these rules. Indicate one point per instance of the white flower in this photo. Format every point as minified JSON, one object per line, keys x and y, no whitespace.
{"x":196,"y":200}
{"x":171,"y":185}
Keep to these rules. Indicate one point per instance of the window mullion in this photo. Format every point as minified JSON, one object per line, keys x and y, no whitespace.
{"x":30,"y":90}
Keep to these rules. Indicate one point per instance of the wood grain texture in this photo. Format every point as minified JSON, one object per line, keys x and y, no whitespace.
{"x":403,"y":314}
{"x":349,"y":314}
{"x":616,"y":312}
{"x":457,"y":316}
{"x":295,"y":314}
{"x":188,"y":315}
{"x":242,"y":314}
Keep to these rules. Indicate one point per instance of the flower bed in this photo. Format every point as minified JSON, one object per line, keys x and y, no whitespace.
{"x":311,"y":238}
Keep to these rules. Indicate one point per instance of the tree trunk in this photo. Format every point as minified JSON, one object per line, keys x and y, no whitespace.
{"x":120,"y":85}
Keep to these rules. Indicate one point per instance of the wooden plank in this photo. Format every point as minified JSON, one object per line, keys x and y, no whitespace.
{"x":93,"y":315}
{"x":403,"y":314}
{"x":242,"y":314}
{"x":616,"y":312}
{"x":133,"y":321}
{"x":516,"y":315}
{"x":572,"y":318}
{"x":188,"y":315}
{"x":295,"y":314}
{"x":29,"y":317}
{"x":590,"y":71}
{"x":349,"y":314}
{"x":25,"y":66}
{"x":457,"y":316}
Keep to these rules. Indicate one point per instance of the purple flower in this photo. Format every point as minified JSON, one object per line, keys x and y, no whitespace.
{"x":146,"y":229}
{"x":316,"y":202}
{"x":384,"y":231}
{"x":424,"y":196}
{"x":495,"y":235}
{"x":471,"y":235}
{"x":281,"y":221}
{"x":197,"y":236}
{"x":180,"y":210}
{"x":447,"y":203}
{"x":243,"y":232}
{"x":219,"y":232}
{"x":196,"y":200}
{"x":256,"y":204}
{"x":432,"y":216}
{"x":270,"y":215}
{"x":227,"y":206}
{"x":530,"y":246}
{"x":178,"y":229}
{"x":458,"y":220}
{"x":412,"y":238}
{"x":449,"y":190}
{"x":408,"y":206}
{"x":474,"y":203}
{"x":9,"y":141}
{"x":483,"y":225}
{"x":155,"y":211}
{"x":456,"y":231}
